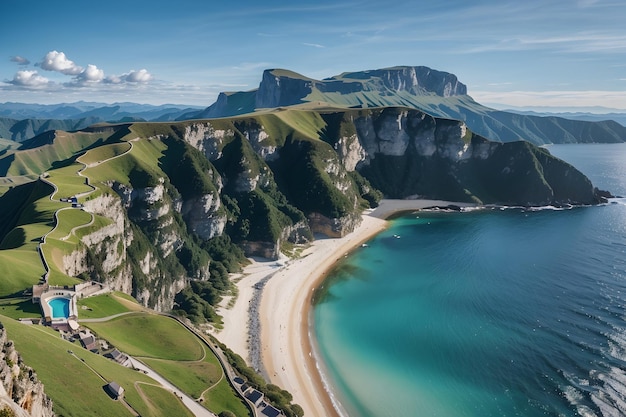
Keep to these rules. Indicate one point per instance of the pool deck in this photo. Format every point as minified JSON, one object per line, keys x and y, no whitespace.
{"x":47,"y":310}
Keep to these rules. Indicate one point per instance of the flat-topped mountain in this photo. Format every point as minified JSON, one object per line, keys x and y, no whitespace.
{"x":437,"y":93}
{"x":283,"y":88}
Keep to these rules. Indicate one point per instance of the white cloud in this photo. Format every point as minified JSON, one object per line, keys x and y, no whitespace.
{"x":20,"y":60}
{"x":29,"y":79}
{"x":91,"y":74}
{"x":141,"y":76}
{"x":134,"y":77}
{"x":314,"y":45}
{"x":57,"y":61}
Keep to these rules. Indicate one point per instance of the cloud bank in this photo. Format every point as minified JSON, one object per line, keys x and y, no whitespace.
{"x":30,"y":79}
{"x":81,"y":76}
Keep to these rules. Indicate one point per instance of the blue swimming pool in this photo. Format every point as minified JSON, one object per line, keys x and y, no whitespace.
{"x":60,"y":307}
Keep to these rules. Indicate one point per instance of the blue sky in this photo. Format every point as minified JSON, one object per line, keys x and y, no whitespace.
{"x":559,"y":53}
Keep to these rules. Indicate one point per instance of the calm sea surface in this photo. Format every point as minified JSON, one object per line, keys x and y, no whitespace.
{"x":490,"y":313}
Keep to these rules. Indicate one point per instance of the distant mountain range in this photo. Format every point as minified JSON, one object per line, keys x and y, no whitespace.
{"x":22,"y":121}
{"x":575,"y":115}
{"x":439,"y":94}
{"x":84,"y":109}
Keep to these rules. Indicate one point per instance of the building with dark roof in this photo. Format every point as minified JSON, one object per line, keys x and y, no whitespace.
{"x":114,"y":390}
{"x":255,"y":397}
{"x":271,"y":411}
{"x":118,"y":357}
{"x":88,"y":340}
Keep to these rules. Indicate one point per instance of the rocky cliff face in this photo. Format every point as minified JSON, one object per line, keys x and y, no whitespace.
{"x":406,"y":153}
{"x":110,"y":243}
{"x":20,"y":390}
{"x":418,"y":81}
{"x":104,"y":254}
{"x":278,"y":89}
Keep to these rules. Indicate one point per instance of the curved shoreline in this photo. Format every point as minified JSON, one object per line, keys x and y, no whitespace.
{"x":286,"y":344}
{"x":283,"y":343}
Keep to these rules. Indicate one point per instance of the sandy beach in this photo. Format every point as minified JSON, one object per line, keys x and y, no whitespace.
{"x":285,"y":304}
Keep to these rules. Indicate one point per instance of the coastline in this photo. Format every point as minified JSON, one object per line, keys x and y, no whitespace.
{"x":285,"y":342}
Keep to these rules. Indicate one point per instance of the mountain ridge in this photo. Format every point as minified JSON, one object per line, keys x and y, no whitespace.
{"x":437,"y":93}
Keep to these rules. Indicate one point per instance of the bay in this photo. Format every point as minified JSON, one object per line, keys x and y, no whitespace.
{"x":488,"y":313}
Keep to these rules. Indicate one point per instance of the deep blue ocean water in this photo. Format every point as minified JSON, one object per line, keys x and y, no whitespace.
{"x":486,"y":313}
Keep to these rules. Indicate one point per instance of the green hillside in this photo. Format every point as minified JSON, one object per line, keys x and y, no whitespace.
{"x":74,"y":377}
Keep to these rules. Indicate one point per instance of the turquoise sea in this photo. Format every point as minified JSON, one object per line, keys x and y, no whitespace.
{"x":485,"y":313}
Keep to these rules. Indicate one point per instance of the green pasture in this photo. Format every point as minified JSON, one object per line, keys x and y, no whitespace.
{"x":73,"y":381}
{"x":173,"y":352}
{"x":21,"y":268}
{"x":192,"y":377}
{"x":223,"y":397}
{"x":201,"y":379}
{"x":17,"y":308}
{"x":102,"y":306}
{"x":151,"y":336}
{"x":67,"y":220}
{"x":98,"y":223}
{"x":161,"y":402}
{"x":8,"y":144}
{"x":68,"y":181}
{"x":308,"y":123}
{"x":102,"y":153}
{"x":144,"y":156}
{"x":39,"y":159}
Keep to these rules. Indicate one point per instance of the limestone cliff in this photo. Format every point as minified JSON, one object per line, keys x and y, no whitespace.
{"x":20,"y":390}
{"x":407,"y":153}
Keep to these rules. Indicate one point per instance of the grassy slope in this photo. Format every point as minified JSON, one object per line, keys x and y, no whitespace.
{"x":104,"y":152}
{"x":171,"y":350}
{"x":160,"y":402}
{"x":144,"y":156}
{"x":8,"y":144}
{"x":75,"y":389}
{"x":150,"y":336}
{"x":17,"y":308}
{"x":33,"y":214}
{"x":42,"y":158}
{"x":105,"y":305}
{"x":37,"y":212}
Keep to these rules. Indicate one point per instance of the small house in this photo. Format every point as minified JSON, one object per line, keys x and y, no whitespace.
{"x":114,"y":390}
{"x":255,"y":397}
{"x":271,"y":411}
{"x":88,"y":341}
